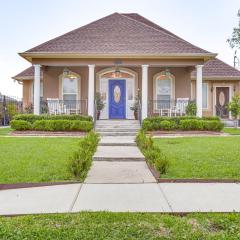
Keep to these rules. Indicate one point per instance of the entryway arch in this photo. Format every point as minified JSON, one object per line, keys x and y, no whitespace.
{"x":129,"y":77}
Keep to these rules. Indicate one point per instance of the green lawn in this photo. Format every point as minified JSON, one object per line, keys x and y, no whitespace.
{"x":35,"y":159}
{"x":122,"y":226}
{"x":202,"y":157}
{"x":232,"y":131}
{"x":5,"y":131}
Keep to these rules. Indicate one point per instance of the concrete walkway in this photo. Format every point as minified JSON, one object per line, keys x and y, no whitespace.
{"x":147,"y":197}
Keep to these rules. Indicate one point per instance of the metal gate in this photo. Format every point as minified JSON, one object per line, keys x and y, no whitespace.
{"x":9,"y":106}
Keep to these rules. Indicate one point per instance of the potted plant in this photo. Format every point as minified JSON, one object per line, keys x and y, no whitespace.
{"x":99,"y":104}
{"x":135,"y":107}
{"x":234,"y":108}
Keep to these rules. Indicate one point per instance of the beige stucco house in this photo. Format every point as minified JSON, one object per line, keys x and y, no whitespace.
{"x":122,"y":56}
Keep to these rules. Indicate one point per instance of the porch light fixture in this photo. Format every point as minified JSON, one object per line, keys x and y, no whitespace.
{"x":68,"y":74}
{"x":167,"y":72}
{"x":65,"y":72}
{"x":117,"y":72}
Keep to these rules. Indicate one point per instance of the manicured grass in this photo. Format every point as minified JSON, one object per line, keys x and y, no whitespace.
{"x":232,"y":131}
{"x":24,"y":159}
{"x":202,"y":157}
{"x":124,"y":226}
{"x":5,"y":131}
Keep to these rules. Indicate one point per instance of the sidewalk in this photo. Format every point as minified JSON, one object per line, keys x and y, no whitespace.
{"x":147,"y":197}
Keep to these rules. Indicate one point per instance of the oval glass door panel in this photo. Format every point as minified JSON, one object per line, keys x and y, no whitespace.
{"x":221,"y":98}
{"x":117,"y":94}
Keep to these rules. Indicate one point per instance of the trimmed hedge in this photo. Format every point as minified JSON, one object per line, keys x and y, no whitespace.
{"x":81,"y":160}
{"x":182,"y":123}
{"x":20,"y":125}
{"x":32,"y":118}
{"x":152,"y":153}
{"x":52,"y":125}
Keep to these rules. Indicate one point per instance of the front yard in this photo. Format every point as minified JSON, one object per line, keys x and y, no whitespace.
{"x":103,"y":225}
{"x":35,"y":159}
{"x":202,"y":157}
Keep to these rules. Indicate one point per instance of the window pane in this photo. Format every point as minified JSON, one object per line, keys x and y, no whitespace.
{"x":69,"y":97}
{"x":163,"y":93}
{"x":163,"y":101}
{"x":205,"y":95}
{"x":69,"y":85}
{"x":164,"y":87}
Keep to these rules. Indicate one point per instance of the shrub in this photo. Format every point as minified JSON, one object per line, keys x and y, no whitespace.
{"x":183,"y":123}
{"x":62,"y":125}
{"x":191,"y":124}
{"x":191,"y":109}
{"x":153,"y":154}
{"x":81,"y":160}
{"x":20,"y":125}
{"x":213,"y":126}
{"x":85,"y":126}
{"x":162,"y":165}
{"x":167,"y":125}
{"x":32,"y":118}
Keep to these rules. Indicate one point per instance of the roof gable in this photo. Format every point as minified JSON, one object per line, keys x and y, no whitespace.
{"x":119,"y":34}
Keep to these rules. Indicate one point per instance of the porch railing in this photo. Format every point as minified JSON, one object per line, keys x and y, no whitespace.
{"x":168,"y":108}
{"x":57,"y":106}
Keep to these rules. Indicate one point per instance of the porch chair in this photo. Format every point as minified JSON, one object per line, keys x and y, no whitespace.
{"x":55,"y":107}
{"x":180,"y":107}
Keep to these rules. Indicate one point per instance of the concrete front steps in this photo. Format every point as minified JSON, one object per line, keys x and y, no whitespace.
{"x":117,"y":127}
{"x":118,"y":153}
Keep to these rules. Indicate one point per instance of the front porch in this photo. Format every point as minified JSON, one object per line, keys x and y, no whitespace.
{"x":163,"y":90}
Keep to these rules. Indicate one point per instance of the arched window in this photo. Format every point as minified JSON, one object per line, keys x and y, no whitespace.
{"x":164,"y":88}
{"x":70,"y":86}
{"x":164,"y":85}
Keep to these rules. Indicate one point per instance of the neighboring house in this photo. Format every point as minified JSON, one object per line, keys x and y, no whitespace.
{"x":122,"y":56}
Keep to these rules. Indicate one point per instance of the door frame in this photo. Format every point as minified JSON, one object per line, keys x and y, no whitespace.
{"x":125,"y":92}
{"x":230,"y":89}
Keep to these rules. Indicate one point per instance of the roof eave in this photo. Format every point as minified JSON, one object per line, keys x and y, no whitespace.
{"x":30,"y":55}
{"x":206,"y":78}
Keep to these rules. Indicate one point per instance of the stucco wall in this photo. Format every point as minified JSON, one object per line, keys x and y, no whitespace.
{"x":27,"y":93}
{"x":234,"y":85}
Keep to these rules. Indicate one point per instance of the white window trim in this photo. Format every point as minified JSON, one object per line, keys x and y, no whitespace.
{"x":155,"y":79}
{"x":230,"y":87}
{"x":206,"y":108}
{"x":78,"y":77}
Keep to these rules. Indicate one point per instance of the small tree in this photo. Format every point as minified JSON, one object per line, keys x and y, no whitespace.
{"x":234,"y":107}
{"x":234,"y":40}
{"x":191,"y":109}
{"x":99,"y":104}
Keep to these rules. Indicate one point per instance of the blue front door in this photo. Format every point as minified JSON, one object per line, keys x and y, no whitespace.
{"x":117,"y":99}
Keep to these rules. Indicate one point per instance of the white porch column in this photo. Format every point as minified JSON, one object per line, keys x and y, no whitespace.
{"x":144,"y":91}
{"x":91,"y":90}
{"x":199,"y":90}
{"x":36,"y":86}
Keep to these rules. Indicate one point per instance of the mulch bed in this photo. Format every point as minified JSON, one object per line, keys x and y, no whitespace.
{"x":185,"y":133}
{"x":29,"y":185}
{"x":45,"y":133}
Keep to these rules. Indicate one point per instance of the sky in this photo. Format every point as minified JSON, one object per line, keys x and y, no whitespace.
{"x":28,"y":23}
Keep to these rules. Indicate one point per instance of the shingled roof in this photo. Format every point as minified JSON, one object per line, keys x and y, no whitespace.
{"x":25,"y":74}
{"x":119,"y":34}
{"x":217,"y":69}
